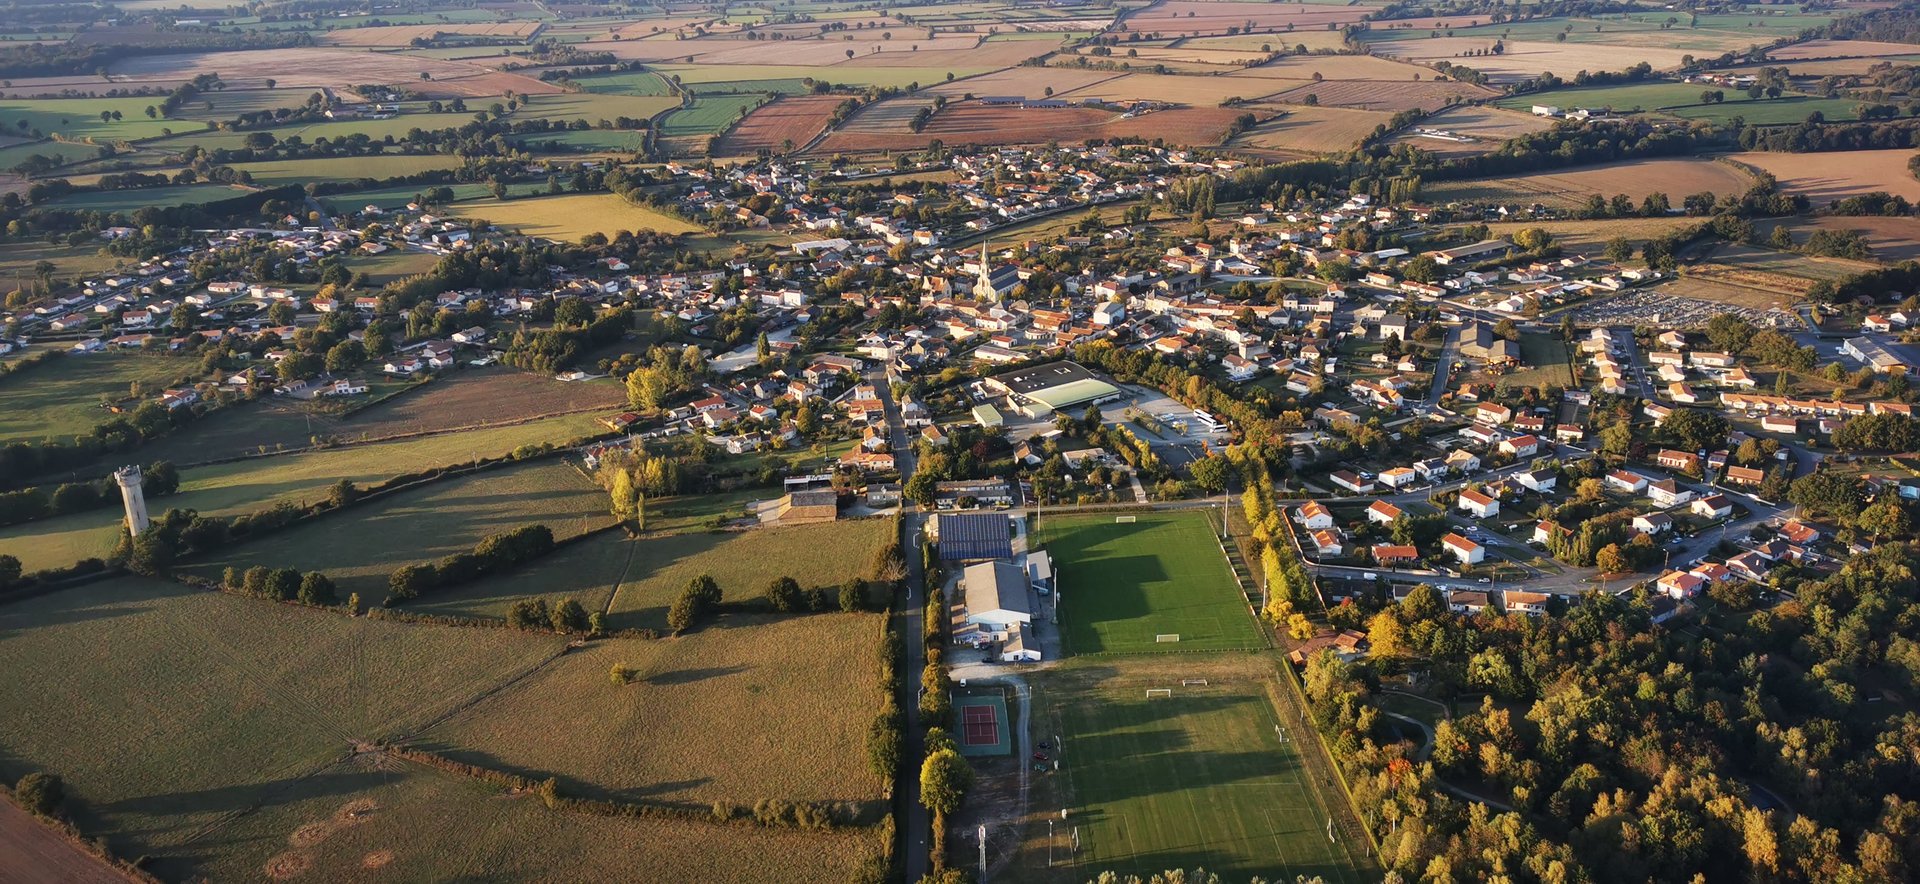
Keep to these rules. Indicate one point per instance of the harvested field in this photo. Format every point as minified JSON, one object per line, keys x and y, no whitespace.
{"x":404,"y":35}
{"x":807,"y":53}
{"x":1027,"y":82}
{"x":1892,"y":239}
{"x":568,"y":217}
{"x":1221,"y":59}
{"x":336,"y":68}
{"x":1825,"y":177}
{"x":1832,"y":67}
{"x":1707,"y":288}
{"x":1314,"y":40}
{"x":1336,"y":67}
{"x":806,"y":682}
{"x":1814,"y":49}
{"x":1195,"y":91}
{"x":1590,"y":237}
{"x":1194,"y":18}
{"x":423,"y":524}
{"x":984,"y":57}
{"x":698,"y":75}
{"x":974,"y":123}
{"x":1487,"y":126}
{"x":1674,"y":177}
{"x":272,"y":173}
{"x":379,"y":818}
{"x":1527,"y":59}
{"x":1312,"y":130}
{"x":203,"y":709}
{"x":657,"y":26}
{"x":32,"y":852}
{"x":783,"y":125}
{"x":1397,"y":95}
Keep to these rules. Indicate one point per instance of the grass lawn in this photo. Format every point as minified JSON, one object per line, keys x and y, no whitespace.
{"x":1200,"y":778}
{"x":1123,"y":584}
{"x":359,"y":548}
{"x":418,"y":824}
{"x":170,"y":712}
{"x":1546,"y":355}
{"x":636,"y":580}
{"x":60,"y":399}
{"x":570,"y":216}
{"x":777,"y":708}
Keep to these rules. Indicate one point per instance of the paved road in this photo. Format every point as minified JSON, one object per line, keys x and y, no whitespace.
{"x":1630,"y":356}
{"x":1449,"y":352}
{"x":908,"y":619}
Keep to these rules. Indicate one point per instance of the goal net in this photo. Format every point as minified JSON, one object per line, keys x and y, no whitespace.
{"x":1159,"y":692}
{"x":1167,"y":637}
{"x":1190,"y":682}
{"x":1125,"y":520}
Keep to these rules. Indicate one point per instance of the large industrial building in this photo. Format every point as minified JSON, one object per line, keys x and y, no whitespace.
{"x":1040,"y":390}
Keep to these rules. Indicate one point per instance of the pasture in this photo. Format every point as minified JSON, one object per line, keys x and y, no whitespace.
{"x":170,"y":712}
{"x":707,"y":115}
{"x":677,"y":734}
{"x":138,"y":198}
{"x":63,"y":398}
{"x":568,"y":217}
{"x":273,"y":173}
{"x":362,"y":546}
{"x":1124,"y":584}
{"x":1198,"y":777}
{"x":1676,"y":178}
{"x":377,"y":817}
{"x":79,"y":118}
{"x":1302,"y":129}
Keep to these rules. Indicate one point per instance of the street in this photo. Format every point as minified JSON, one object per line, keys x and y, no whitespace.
{"x":908,"y":619}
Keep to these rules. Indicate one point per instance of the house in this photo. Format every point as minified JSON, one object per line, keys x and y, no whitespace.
{"x":1682,"y":461}
{"x":1314,"y":517}
{"x":1327,"y":542}
{"x":1652,"y":523}
{"x":995,"y":597}
{"x":1680,"y":585}
{"x":1521,"y":446}
{"x":1398,"y":477}
{"x":1667,"y":492}
{"x":1747,"y":476}
{"x":1750,"y":566}
{"x":985,"y":492}
{"x":806,"y":507}
{"x":1388,"y":555}
{"x":1381,"y":512}
{"x":881,"y":495}
{"x":1479,"y":505}
{"x":1492,"y":413}
{"x":1712,"y":506}
{"x":1629,"y":482}
{"x":1466,"y":551}
{"x":1541,"y":481}
{"x":1545,"y":530}
{"x":1799,"y":533}
{"x":1433,"y":469}
{"x":1463,"y":461}
{"x":1351,"y":481}
{"x":1467,"y":601}
{"x":1532,"y":604}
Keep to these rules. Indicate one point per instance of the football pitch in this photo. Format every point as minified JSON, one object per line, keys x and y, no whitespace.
{"x":1197,"y":778}
{"x":1129,"y":587}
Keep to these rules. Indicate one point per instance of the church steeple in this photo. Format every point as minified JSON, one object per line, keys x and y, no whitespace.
{"x":983,"y":285}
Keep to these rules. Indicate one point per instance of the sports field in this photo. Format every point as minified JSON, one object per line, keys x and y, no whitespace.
{"x":1199,"y":777}
{"x":1123,"y":585}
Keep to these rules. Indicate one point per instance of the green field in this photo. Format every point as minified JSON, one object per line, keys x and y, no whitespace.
{"x":169,"y":711}
{"x":787,"y":86}
{"x":588,"y":140}
{"x":276,"y":172}
{"x":1683,"y":100}
{"x":593,"y":107}
{"x":1123,"y":584}
{"x":79,"y":118}
{"x":361,"y":547}
{"x":130,"y":200}
{"x":61,"y":399}
{"x":844,"y":75}
{"x":635,"y":580}
{"x":66,"y":152}
{"x":250,"y":485}
{"x":630,"y":83}
{"x":697,"y":723}
{"x":1197,"y":779}
{"x":707,"y":116}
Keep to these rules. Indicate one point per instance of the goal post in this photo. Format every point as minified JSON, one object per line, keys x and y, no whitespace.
{"x":1192,"y":682}
{"x":1159,"y":692}
{"x":1167,"y":637}
{"x":1125,"y":520}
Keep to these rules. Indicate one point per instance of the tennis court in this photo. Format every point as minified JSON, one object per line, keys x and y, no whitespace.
{"x":1149,"y":583}
{"x":983,"y":725}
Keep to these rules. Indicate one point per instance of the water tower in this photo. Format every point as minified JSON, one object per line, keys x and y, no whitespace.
{"x":134,"y":497}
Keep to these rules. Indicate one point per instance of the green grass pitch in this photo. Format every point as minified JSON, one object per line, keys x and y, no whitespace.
{"x":1124,"y":583}
{"x":1200,"y":778}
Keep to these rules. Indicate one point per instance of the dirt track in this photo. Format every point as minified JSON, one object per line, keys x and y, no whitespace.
{"x":32,"y":853}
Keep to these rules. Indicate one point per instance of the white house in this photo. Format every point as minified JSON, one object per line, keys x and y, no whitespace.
{"x":1381,"y":512}
{"x":1468,"y":552}
{"x":1479,"y":505}
{"x":1541,"y":481}
{"x":1314,"y":517}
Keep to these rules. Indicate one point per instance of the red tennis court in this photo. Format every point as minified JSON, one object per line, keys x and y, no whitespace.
{"x":983,"y":724}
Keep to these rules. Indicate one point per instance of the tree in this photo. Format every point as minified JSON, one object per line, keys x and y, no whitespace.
{"x":1612,"y":559}
{"x":920,"y":488}
{"x":568,"y":617}
{"x":853,"y":594}
{"x":409,"y":581}
{"x":316,"y":589}
{"x":945,"y":778}
{"x":625,"y":499}
{"x":1617,"y":438}
{"x":1619,"y":248}
{"x":1210,"y":473}
{"x":1423,"y":268}
{"x":41,"y":793}
{"x":529,"y":614}
{"x":1696,"y":428}
{"x":783,"y":594}
{"x":283,"y":584}
{"x":647,"y":388}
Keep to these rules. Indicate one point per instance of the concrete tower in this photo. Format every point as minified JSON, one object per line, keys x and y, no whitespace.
{"x":134,"y":497}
